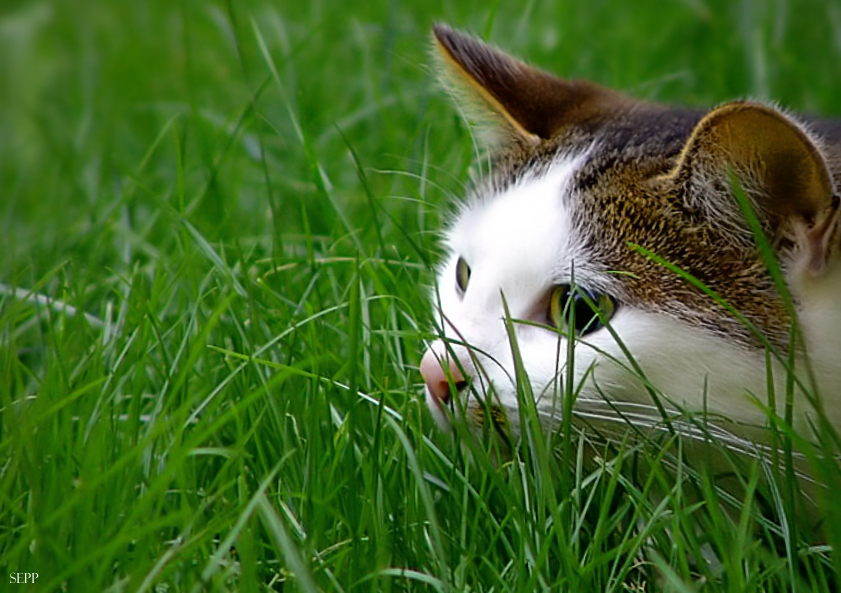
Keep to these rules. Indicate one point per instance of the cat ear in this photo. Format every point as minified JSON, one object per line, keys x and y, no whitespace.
{"x":530,"y":105}
{"x":779,"y":167}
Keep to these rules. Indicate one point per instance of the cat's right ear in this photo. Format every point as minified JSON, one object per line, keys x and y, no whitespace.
{"x":781,"y":169}
{"x":521,"y":104}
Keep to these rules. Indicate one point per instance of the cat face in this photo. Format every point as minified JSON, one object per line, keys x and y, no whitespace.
{"x":564,"y":260}
{"x":518,"y":266}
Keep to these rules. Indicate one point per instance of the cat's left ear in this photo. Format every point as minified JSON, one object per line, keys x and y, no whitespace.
{"x":522,"y":104}
{"x":780,"y":168}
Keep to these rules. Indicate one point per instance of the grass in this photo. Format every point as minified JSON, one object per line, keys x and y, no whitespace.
{"x":218,"y":230}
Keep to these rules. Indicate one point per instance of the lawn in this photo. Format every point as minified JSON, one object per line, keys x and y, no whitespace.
{"x":219,"y":230}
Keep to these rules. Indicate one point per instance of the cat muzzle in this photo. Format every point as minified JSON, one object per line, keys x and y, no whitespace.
{"x":442,"y":375}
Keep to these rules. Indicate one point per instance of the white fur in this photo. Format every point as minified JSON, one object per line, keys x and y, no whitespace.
{"x":520,"y":244}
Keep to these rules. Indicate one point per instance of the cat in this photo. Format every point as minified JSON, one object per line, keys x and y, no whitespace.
{"x":637,"y":231}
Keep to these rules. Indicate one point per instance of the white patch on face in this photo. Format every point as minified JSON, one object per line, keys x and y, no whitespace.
{"x":519,"y":245}
{"x":512,"y":242}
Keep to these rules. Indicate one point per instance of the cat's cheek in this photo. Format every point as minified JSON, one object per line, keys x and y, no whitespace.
{"x":537,"y":351}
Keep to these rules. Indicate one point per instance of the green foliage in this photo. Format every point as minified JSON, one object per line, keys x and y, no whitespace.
{"x":218,"y":229}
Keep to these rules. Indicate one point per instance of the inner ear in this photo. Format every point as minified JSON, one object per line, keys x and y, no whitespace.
{"x":531,"y":104}
{"x":771,"y":155}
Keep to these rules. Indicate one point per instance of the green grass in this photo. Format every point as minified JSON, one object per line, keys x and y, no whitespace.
{"x":218,"y":231}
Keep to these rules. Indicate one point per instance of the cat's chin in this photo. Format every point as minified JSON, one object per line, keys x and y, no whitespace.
{"x":439,"y":411}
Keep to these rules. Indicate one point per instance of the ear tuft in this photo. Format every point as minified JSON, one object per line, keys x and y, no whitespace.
{"x":531,"y":105}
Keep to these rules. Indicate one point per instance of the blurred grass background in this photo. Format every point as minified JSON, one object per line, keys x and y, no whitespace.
{"x":218,"y":231}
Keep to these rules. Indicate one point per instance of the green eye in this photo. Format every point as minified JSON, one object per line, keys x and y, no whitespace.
{"x":462,"y":274}
{"x":583,"y":310}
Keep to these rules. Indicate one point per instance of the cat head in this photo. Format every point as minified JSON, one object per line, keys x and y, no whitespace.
{"x":562,"y":266}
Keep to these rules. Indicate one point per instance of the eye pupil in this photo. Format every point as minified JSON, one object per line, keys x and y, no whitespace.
{"x":584,"y":314}
{"x":579,"y":309}
{"x":462,"y":275}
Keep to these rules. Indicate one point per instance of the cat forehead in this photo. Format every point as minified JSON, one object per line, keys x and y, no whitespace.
{"x":524,"y":228}
{"x":575,"y":216}
{"x":522,"y":205}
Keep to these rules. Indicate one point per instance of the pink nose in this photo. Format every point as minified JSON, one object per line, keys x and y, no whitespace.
{"x":435,"y":370}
